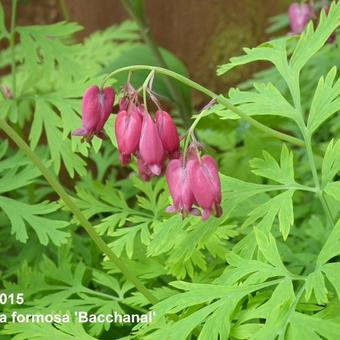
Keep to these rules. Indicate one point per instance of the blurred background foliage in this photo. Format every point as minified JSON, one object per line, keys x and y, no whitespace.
{"x":202,"y":34}
{"x":44,"y":252}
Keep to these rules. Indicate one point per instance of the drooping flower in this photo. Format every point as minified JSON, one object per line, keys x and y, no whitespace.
{"x":299,"y":15}
{"x":168,"y":133}
{"x":128,"y":127}
{"x":205,"y":185}
{"x":178,"y":179}
{"x":151,"y":150}
{"x":96,"y":109}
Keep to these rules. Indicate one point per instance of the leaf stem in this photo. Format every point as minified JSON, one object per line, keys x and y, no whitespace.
{"x":144,"y":87}
{"x":12,"y":47}
{"x":326,"y":208}
{"x":189,"y":134}
{"x":64,"y":10}
{"x":309,"y":150}
{"x":219,"y":98}
{"x":184,"y":108}
{"x":298,"y":295}
{"x":54,"y":183}
{"x":308,"y":142}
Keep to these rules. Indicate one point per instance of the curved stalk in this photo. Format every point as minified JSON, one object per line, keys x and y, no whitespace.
{"x":54,"y":183}
{"x":183,"y":106}
{"x":219,"y":98}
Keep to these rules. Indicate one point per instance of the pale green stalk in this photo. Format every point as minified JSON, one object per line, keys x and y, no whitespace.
{"x":219,"y":98}
{"x":54,"y":183}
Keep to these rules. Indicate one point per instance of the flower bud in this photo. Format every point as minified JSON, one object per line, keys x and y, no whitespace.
{"x":205,"y":185}
{"x":128,"y":130}
{"x":178,"y":178}
{"x":150,"y":146}
{"x":96,"y":109}
{"x":299,"y":15}
{"x":168,"y":133}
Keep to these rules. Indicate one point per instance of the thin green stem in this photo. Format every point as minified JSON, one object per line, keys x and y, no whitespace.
{"x":310,"y":155}
{"x":222,"y":100}
{"x":219,"y":98}
{"x":145,"y":85}
{"x":54,"y":183}
{"x":327,"y":210}
{"x":188,"y":137}
{"x":307,"y":136}
{"x":184,"y":108}
{"x":12,"y":47}
{"x":301,"y":187}
{"x":64,"y":10}
{"x":301,"y":289}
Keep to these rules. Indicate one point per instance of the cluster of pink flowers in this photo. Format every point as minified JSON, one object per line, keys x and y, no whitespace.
{"x":194,"y":182}
{"x":151,"y":141}
{"x":300,"y":14}
{"x":154,"y":141}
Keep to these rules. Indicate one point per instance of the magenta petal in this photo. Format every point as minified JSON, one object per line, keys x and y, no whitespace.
{"x":144,"y":172}
{"x":125,"y":159}
{"x":96,"y":107}
{"x":206,"y":214}
{"x":155,"y":169}
{"x":80,"y":132}
{"x":150,"y":145}
{"x":195,"y":212}
{"x":128,"y":129}
{"x":205,"y":185}
{"x":170,"y":209}
{"x":101,"y":134}
{"x":299,"y":16}
{"x":168,"y":133}
{"x":177,"y":177}
{"x":106,"y":100}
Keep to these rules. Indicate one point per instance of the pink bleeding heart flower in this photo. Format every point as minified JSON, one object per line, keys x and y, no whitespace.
{"x":299,"y":15}
{"x":128,"y":127}
{"x":168,"y":133}
{"x":206,"y":186}
{"x":151,"y":150}
{"x":178,"y":179}
{"x":96,"y":109}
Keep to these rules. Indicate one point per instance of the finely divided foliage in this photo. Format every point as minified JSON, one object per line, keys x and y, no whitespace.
{"x":268,"y":268}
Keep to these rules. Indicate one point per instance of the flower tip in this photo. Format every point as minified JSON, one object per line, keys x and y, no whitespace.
{"x":195,"y":212}
{"x":171,"y":209}
{"x":124,"y":159}
{"x":218,"y":210}
{"x":79,"y":132}
{"x":101,"y":134}
{"x":206,"y":214}
{"x":155,"y":169}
